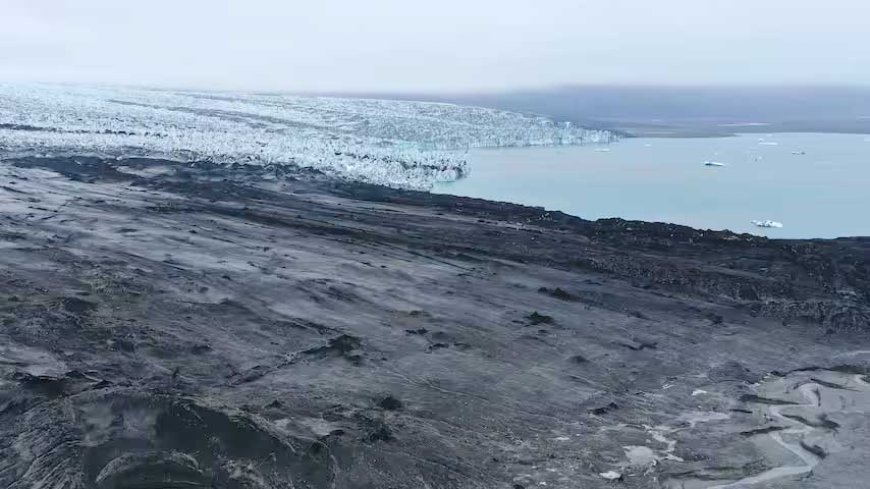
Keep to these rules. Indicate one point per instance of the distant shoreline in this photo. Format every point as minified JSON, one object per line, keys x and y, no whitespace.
{"x":708,"y":129}
{"x":699,"y":111}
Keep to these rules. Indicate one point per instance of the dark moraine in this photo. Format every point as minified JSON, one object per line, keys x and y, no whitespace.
{"x":263,"y":328}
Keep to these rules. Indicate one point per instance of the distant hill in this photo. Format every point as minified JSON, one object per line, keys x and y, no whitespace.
{"x":682,"y":111}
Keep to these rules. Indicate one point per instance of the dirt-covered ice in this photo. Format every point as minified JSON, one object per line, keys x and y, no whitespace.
{"x":168,"y":325}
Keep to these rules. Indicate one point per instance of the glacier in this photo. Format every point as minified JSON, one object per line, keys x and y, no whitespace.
{"x":396,"y":143}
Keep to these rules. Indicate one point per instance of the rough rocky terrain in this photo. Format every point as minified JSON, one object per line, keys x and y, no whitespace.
{"x":168,"y":325}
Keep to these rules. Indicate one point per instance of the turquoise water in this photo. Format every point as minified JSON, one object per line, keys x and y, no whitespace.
{"x":823,"y":191}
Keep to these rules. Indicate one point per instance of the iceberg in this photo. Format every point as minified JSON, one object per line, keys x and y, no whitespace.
{"x":767,"y":223}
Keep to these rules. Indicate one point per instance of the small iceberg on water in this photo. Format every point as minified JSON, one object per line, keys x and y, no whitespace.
{"x":767,"y":223}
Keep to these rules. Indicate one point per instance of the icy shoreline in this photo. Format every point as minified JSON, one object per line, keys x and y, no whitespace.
{"x":395,"y":143}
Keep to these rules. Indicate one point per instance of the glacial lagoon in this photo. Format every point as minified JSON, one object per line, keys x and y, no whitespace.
{"x":816,"y":185}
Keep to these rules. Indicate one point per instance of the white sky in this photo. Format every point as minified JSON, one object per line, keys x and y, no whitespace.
{"x":433,"y":45}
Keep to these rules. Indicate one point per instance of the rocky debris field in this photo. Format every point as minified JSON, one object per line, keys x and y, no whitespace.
{"x":169,"y":325}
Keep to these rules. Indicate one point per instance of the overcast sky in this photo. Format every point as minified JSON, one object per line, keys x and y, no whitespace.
{"x":429,"y":45}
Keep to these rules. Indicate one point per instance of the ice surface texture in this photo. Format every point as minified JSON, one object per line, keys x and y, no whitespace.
{"x":397,"y":143}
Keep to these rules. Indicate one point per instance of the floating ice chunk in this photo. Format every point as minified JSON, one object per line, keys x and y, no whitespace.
{"x":767,"y":223}
{"x":698,"y":392}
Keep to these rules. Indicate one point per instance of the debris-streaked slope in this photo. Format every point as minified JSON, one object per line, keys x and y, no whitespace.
{"x":169,"y":325}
